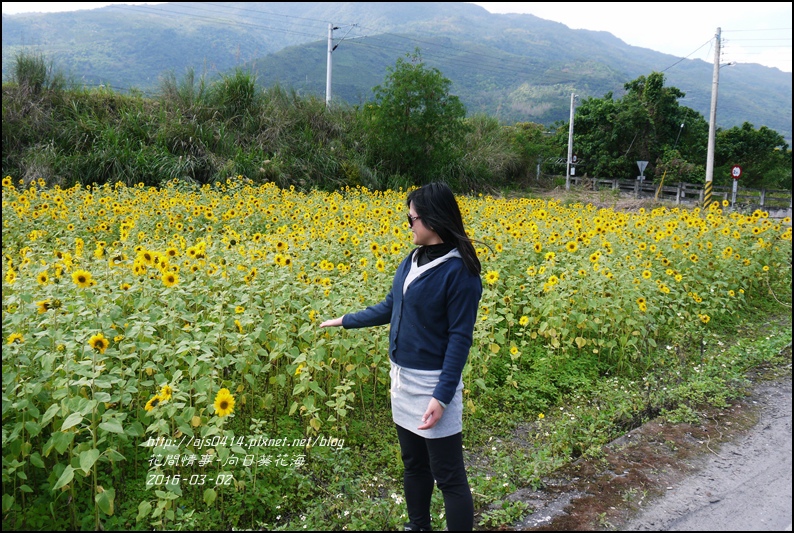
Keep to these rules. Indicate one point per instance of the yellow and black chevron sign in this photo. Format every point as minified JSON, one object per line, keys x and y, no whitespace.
{"x":707,"y":195}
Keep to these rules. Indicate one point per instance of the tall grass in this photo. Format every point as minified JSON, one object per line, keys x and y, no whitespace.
{"x":205,"y":132}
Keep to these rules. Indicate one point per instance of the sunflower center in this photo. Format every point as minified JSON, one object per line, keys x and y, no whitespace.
{"x":224,"y":405}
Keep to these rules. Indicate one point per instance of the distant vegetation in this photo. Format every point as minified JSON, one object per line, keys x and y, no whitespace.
{"x":414,"y":130}
{"x":516,"y":68}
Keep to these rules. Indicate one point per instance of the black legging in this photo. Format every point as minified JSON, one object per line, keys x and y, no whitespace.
{"x":426,"y":460}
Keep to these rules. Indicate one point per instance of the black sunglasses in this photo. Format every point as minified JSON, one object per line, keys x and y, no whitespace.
{"x":411,"y":220}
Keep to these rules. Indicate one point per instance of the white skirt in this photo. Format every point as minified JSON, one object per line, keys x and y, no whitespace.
{"x":411,"y":391}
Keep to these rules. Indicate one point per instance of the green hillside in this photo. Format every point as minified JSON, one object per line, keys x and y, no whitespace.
{"x":516,"y":67}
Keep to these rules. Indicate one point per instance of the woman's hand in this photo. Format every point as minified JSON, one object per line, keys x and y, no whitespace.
{"x":432,"y":415}
{"x":334,"y":322}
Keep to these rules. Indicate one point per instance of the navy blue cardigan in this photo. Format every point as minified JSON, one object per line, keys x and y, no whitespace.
{"x":432,"y":323}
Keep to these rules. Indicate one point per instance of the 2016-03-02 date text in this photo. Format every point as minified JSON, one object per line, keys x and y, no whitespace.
{"x":195,"y":479}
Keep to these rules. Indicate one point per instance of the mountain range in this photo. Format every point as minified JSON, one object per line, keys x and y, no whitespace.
{"x":517,"y":67}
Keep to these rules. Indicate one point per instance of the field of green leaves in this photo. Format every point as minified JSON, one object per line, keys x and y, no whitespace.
{"x":163,"y":365}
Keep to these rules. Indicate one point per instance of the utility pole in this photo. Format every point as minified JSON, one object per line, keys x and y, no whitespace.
{"x":712,"y":123}
{"x":329,"y":64}
{"x":570,"y":147}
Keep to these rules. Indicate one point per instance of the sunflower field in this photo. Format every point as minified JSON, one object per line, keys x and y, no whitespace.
{"x":163,"y":365}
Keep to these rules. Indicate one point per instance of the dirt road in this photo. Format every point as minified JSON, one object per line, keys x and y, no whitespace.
{"x":745,"y":486}
{"x":731,"y":473}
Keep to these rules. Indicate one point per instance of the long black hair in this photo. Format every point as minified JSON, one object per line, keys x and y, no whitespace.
{"x":436,"y":204}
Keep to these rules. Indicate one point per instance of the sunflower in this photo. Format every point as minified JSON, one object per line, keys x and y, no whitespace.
{"x":15,"y":337}
{"x":166,"y":392}
{"x":646,"y":274}
{"x":43,"y":278}
{"x":170,"y":279}
{"x":44,"y":306}
{"x":82,"y":278}
{"x":704,"y":318}
{"x":152,"y":403}
{"x":572,"y":246}
{"x":524,"y":320}
{"x":491,"y":277}
{"x":99,"y":343}
{"x":224,"y":403}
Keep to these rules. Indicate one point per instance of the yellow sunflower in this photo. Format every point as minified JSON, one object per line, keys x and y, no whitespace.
{"x":99,"y":343}
{"x":170,"y":279}
{"x":224,"y":402}
{"x":44,"y":306}
{"x":152,"y":403}
{"x":491,"y":277}
{"x":166,"y":392}
{"x":15,"y":337}
{"x":82,"y":278}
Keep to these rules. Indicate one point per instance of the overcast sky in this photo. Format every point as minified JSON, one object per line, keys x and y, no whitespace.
{"x":752,"y":32}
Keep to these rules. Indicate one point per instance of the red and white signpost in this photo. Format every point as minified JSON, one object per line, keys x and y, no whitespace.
{"x":736,"y":172}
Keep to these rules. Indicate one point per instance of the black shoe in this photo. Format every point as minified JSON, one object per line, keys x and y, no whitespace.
{"x":413,"y":527}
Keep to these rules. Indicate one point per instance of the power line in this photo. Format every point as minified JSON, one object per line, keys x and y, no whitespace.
{"x":688,"y":56}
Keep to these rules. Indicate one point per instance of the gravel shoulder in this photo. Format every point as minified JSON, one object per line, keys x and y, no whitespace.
{"x":732,"y":472}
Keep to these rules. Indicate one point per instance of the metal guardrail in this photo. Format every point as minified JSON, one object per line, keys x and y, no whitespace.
{"x":777,"y":200}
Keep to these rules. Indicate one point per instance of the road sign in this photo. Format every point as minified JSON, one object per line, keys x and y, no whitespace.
{"x":736,"y":171}
{"x":642,"y":165}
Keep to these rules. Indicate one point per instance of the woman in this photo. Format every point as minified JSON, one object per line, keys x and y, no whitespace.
{"x":432,"y":309}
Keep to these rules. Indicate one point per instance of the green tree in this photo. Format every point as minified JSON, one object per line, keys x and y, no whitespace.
{"x":415,"y":127}
{"x":763,"y":154}
{"x":611,"y":135}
